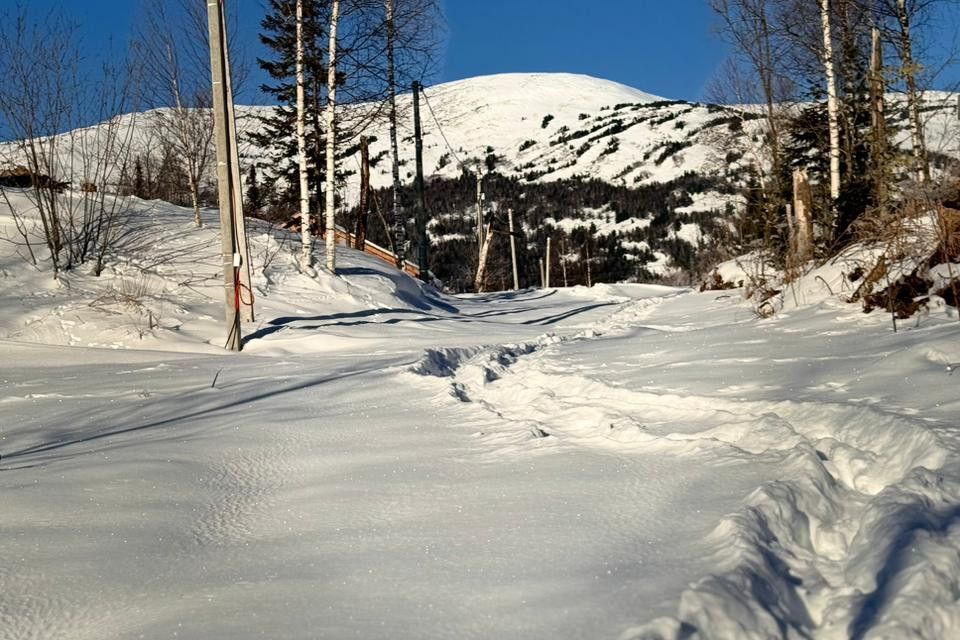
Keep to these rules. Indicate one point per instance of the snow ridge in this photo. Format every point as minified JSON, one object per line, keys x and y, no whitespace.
{"x":808,"y":553}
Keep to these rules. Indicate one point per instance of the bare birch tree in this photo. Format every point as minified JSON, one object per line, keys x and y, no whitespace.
{"x":331,"y":113}
{"x":909,"y":69}
{"x":306,"y":236}
{"x":397,"y":220}
{"x":833,"y":119}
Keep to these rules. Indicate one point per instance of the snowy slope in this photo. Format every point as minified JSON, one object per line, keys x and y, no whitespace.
{"x":383,"y":461}
{"x":542,"y":128}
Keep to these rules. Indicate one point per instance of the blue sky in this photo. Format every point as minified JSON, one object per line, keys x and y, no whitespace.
{"x":665,"y":48}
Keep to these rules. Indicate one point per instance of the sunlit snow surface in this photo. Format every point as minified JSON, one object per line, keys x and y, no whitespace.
{"x":383,"y":461}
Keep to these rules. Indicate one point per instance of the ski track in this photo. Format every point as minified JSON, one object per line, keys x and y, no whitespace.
{"x":820,"y":551}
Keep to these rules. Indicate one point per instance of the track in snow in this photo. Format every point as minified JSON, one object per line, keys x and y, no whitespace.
{"x":808,"y":552}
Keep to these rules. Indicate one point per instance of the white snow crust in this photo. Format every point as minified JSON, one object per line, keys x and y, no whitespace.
{"x":385,"y":461}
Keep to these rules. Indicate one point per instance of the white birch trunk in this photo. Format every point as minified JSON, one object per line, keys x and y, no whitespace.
{"x":398,"y":224}
{"x":306,"y":239}
{"x":332,"y":139}
{"x":909,"y":70}
{"x":832,"y":107}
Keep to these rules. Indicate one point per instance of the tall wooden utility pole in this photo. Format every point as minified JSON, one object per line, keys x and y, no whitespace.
{"x":878,"y":120}
{"x":421,"y":218}
{"x":238,"y":297}
{"x":481,"y":225}
{"x":513,"y":250}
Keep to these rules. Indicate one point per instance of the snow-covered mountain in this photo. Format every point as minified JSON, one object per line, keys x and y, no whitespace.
{"x":553,"y":126}
{"x":679,"y":166}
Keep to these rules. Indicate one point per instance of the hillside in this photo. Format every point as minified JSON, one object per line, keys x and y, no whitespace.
{"x":646,"y":187}
{"x":539,"y":130}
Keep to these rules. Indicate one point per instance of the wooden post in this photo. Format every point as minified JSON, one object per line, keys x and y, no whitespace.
{"x":421,"y":216}
{"x":791,"y":232}
{"x":480,"y":222}
{"x":235,"y":261}
{"x":589,"y":274}
{"x":543,"y":277}
{"x":478,"y":284}
{"x":802,"y":208}
{"x":563,"y":261}
{"x":513,"y":251}
{"x":364,"y":207}
{"x":547,"y":280}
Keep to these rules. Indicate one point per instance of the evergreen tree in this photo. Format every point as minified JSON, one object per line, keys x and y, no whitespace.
{"x":278,"y":127}
{"x":254,"y":197}
{"x":139,"y":186}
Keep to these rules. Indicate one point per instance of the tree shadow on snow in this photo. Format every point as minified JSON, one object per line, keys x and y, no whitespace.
{"x":361,"y":317}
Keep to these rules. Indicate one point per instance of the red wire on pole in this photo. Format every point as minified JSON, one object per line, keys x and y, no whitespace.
{"x":238,"y":288}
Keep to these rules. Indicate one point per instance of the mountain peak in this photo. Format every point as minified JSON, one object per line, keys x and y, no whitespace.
{"x":567,"y":90}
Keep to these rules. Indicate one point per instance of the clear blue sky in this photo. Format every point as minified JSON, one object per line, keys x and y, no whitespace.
{"x":663,"y":47}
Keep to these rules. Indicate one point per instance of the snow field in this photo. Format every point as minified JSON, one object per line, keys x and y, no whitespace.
{"x":383,"y":461}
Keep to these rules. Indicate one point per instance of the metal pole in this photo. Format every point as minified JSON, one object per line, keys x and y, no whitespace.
{"x":421,"y":218}
{"x":513,"y":250}
{"x":228,"y":243}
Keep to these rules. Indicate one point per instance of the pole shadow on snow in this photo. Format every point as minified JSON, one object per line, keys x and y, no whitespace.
{"x":69,"y":440}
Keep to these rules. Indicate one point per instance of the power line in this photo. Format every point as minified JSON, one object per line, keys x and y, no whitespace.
{"x":442,"y":134}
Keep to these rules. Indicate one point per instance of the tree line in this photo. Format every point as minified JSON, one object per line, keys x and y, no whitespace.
{"x":838,"y":83}
{"x":151,"y":105}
